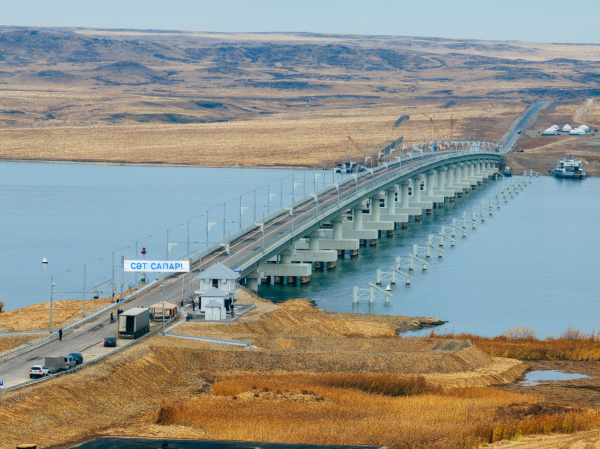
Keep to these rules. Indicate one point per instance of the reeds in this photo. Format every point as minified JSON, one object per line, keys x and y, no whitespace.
{"x":366,"y":409}
{"x":522,"y":344}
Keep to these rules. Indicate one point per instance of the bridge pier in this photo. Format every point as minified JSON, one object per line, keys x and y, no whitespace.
{"x":285,"y":267}
{"x":405,"y":207}
{"x":441,"y":185}
{"x":252,"y":279}
{"x":416,"y":198}
{"x":314,"y":254}
{"x":430,"y":196}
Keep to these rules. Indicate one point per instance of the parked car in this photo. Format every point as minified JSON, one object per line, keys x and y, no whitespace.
{"x":38,"y":371}
{"x":77,"y":357}
{"x":110,"y":341}
{"x":519,"y":132}
{"x":56,"y":363}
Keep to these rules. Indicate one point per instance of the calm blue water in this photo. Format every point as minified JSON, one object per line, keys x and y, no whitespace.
{"x":74,"y":213}
{"x":534,"y":263}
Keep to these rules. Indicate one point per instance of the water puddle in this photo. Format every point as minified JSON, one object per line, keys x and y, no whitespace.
{"x":533,"y":378}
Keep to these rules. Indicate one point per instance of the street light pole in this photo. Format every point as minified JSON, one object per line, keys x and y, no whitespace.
{"x":188,"y":232}
{"x":84,"y":271}
{"x":112,"y":282}
{"x":172,"y":227}
{"x":136,"y":253}
{"x":52,"y":294}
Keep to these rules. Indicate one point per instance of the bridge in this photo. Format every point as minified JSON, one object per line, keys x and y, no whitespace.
{"x":313,"y":231}
{"x":310,"y":233}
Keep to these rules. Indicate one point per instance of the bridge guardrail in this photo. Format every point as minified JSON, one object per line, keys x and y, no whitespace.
{"x":309,"y":221}
{"x":54,"y":335}
{"x":91,"y":362}
{"x":299,"y":227}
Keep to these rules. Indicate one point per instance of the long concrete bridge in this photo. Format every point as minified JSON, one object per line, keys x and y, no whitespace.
{"x":313,"y":231}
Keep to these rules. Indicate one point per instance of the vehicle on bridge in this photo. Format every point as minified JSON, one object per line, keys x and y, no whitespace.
{"x":134,"y":322}
{"x":56,"y":363}
{"x":38,"y":371}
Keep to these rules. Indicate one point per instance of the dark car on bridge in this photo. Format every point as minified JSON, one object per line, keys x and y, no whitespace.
{"x":110,"y":341}
{"x":77,"y":357}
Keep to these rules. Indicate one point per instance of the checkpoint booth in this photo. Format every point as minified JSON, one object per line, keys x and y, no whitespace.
{"x":216,"y":283}
{"x":156,"y":311}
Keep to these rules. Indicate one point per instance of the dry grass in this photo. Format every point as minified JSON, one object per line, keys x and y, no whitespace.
{"x":524,"y":345}
{"x":324,"y":409}
{"x":37,"y":317}
{"x":8,"y":343}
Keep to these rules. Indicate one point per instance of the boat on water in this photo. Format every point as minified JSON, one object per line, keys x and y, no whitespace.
{"x":507,"y":173}
{"x":569,"y":167}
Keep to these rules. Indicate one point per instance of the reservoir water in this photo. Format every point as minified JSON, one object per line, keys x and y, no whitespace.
{"x":75,"y":213}
{"x":533,"y":263}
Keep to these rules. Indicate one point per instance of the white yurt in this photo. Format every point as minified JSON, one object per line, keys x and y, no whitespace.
{"x":549,"y":132}
{"x":567,"y":128}
{"x":577,"y":132}
{"x":555,"y":127}
{"x":584,"y":127}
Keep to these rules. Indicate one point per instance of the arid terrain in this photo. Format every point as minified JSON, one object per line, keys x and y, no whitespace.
{"x":271,"y":99}
{"x":317,"y":377}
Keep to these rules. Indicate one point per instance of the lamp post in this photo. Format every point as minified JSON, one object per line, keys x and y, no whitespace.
{"x":112,"y":282}
{"x":172,"y":227}
{"x":188,"y":232}
{"x":52,"y":294}
{"x":84,"y":267}
{"x":136,"y":252}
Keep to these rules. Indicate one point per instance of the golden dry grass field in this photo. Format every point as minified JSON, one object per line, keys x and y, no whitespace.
{"x":173,"y":388}
{"x":275,"y":99}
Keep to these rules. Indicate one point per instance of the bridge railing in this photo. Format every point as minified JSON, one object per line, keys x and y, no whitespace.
{"x":299,"y":227}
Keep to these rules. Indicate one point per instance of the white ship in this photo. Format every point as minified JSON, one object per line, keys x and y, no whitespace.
{"x":569,"y":167}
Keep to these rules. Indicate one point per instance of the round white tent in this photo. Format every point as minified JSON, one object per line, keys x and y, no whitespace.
{"x":576,"y":132}
{"x":555,"y":126}
{"x":584,"y":127}
{"x":549,"y":132}
{"x":567,"y":128}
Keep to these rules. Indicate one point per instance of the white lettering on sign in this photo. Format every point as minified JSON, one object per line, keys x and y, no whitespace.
{"x":147,"y":266}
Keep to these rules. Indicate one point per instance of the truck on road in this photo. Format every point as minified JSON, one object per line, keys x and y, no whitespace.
{"x":134,"y":322}
{"x":56,"y":363}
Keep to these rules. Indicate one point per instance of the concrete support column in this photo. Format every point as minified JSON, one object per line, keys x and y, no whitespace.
{"x":417,"y":189}
{"x":457,"y":173}
{"x":375,"y":209}
{"x":358,"y":218}
{"x":390,"y":201}
{"x":252,"y":280}
{"x":313,"y":241}
{"x":471,"y":170}
{"x":404,"y":194}
{"x":441,"y":178}
{"x":478,"y":168}
{"x":337,"y":228}
{"x":450,"y":176}
{"x":465,"y":173}
{"x":430,"y":176}
{"x":286,"y":255}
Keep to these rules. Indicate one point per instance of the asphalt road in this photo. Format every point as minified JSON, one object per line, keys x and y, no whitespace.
{"x":88,"y":339}
{"x":521,"y":125}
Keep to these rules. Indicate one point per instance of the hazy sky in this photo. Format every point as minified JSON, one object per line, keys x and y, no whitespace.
{"x":530,"y":20}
